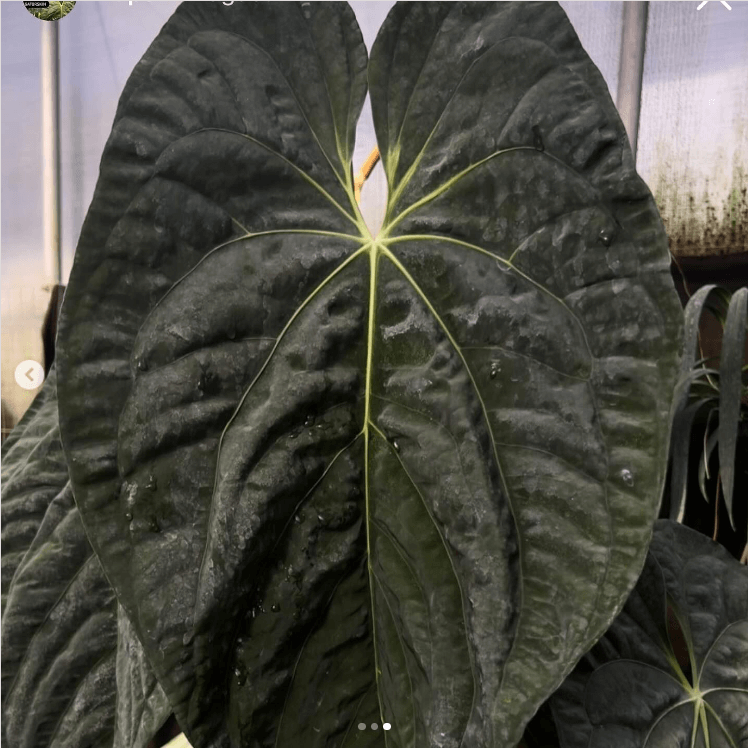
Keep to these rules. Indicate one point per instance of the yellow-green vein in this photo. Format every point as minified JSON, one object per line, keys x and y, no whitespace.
{"x":373,"y":261}
{"x":405,"y":470}
{"x":588,"y":378}
{"x":312,"y":630}
{"x":301,"y":172}
{"x":408,"y":277}
{"x":234,"y":240}
{"x":390,"y":223}
{"x":262,"y":370}
{"x":722,"y":727}
{"x":393,"y":542}
{"x":405,"y":656}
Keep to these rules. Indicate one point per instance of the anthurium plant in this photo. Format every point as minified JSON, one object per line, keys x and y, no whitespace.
{"x":336,"y":478}
{"x":633,"y":689}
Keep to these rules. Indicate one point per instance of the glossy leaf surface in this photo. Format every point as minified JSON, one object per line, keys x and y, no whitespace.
{"x":141,"y":706}
{"x":340,"y":479}
{"x":636,"y":694}
{"x":33,"y":473}
{"x":731,"y":390}
{"x":59,"y":636}
{"x":64,"y":683}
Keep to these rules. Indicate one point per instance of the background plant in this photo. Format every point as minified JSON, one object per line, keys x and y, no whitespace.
{"x":712,"y":397}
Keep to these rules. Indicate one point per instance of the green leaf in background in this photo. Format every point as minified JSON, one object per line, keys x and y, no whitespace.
{"x":60,"y":623}
{"x":33,"y":473}
{"x":337,"y":478}
{"x":680,"y":454}
{"x":705,"y":297}
{"x":59,"y":637}
{"x":731,"y":391}
{"x":719,"y":391}
{"x":631,"y":691}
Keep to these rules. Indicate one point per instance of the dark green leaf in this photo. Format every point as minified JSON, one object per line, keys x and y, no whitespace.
{"x":33,"y":473}
{"x":730,"y":392}
{"x":337,"y":478}
{"x":141,"y":706}
{"x":710,"y":442}
{"x":59,"y":629}
{"x":680,"y":452}
{"x":58,"y":640}
{"x":534,"y":259}
{"x":691,"y":321}
{"x":638,"y":695}
{"x":29,"y":429}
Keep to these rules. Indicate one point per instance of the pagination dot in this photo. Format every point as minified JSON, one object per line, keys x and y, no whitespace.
{"x":375,"y":726}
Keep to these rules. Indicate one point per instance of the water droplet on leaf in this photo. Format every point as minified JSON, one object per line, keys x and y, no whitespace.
{"x":240,"y":676}
{"x":495,"y":369}
{"x":627,"y":477}
{"x":142,"y":365}
{"x":605,"y":238}
{"x":395,"y":445}
{"x":309,"y":421}
{"x":128,"y":516}
{"x":152,"y":483}
{"x":275,"y":608}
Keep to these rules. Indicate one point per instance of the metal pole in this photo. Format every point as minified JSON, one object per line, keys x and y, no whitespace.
{"x":631,"y":67}
{"x":51,"y":150}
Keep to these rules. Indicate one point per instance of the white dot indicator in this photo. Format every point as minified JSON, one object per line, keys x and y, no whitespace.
{"x":387,"y":726}
{"x":374,"y":725}
{"x":361,"y":726}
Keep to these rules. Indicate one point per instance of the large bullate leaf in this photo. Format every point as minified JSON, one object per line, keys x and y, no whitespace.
{"x":59,"y":639}
{"x":73,"y":672}
{"x":33,"y":473}
{"x":341,"y":479}
{"x":632,"y":691}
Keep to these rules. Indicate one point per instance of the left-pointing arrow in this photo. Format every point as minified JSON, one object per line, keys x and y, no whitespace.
{"x":29,"y":373}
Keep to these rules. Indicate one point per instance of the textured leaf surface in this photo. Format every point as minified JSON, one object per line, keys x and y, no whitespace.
{"x":338,"y":478}
{"x":60,"y":665}
{"x":58,"y":639}
{"x":141,"y":705}
{"x":636,"y":694}
{"x":731,"y":391}
{"x":33,"y":473}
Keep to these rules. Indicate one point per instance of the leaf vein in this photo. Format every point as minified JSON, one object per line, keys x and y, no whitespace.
{"x":405,"y":470}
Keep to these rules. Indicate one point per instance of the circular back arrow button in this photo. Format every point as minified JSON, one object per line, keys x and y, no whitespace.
{"x":29,"y":374}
